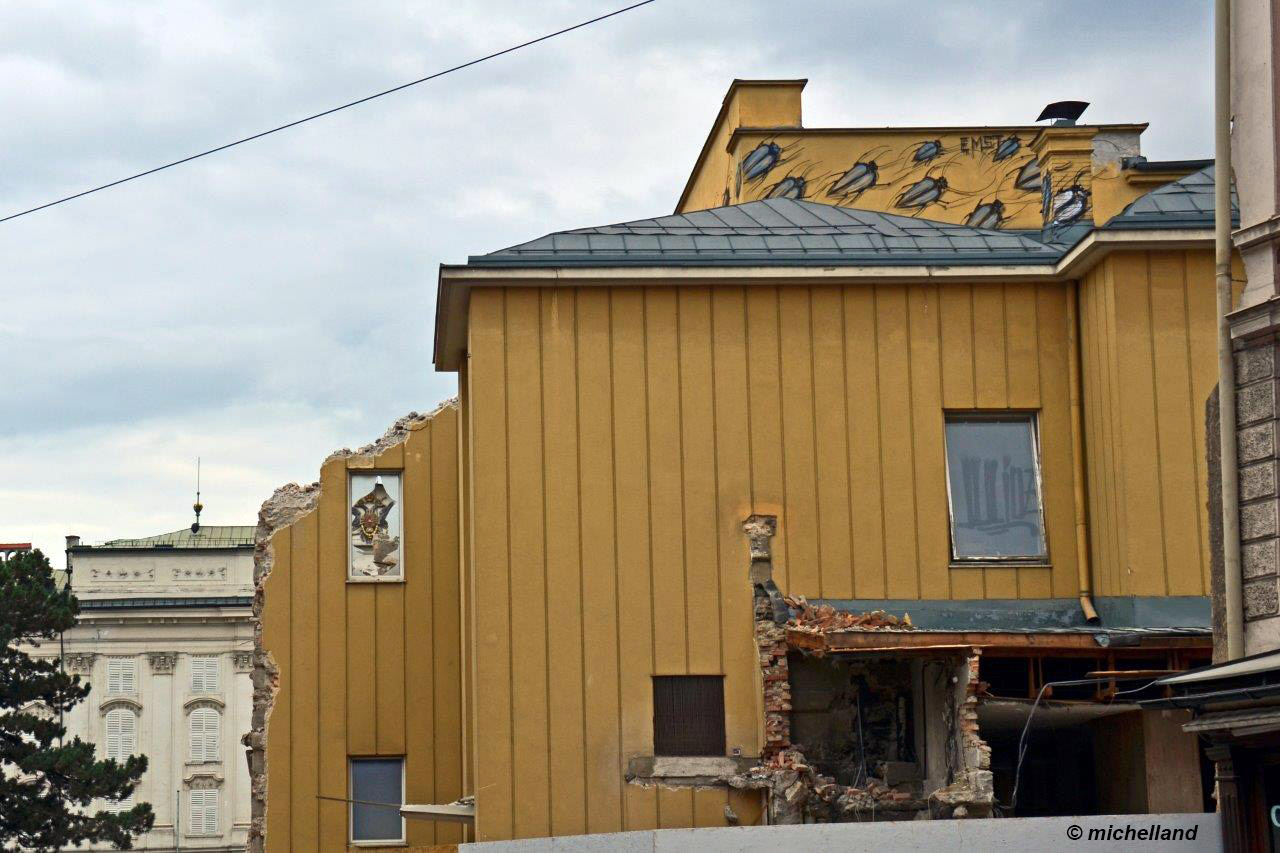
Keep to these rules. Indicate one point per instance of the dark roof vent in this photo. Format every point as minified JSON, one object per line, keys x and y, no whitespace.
{"x":1064,"y":113}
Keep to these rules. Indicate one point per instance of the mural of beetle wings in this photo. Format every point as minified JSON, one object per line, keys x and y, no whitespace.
{"x":989,"y":215}
{"x":1028,"y":178}
{"x":928,"y":150}
{"x":761,"y":159}
{"x":923,"y":193}
{"x":1007,"y":148}
{"x":860,"y":178}
{"x":1070,"y":204}
{"x":789,"y":187}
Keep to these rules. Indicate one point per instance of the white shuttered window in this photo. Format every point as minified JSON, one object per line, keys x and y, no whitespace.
{"x":122,"y":742}
{"x":203,"y":811}
{"x":204,"y":674}
{"x":122,"y":675}
{"x":205,"y":725}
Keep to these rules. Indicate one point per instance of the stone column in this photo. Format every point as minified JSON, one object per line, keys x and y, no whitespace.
{"x":165,"y":760}
{"x":1228,"y":794}
{"x":1256,"y":338}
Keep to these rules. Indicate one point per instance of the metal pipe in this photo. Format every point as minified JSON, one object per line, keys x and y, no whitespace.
{"x":1084,"y":567}
{"x":1230,"y":472}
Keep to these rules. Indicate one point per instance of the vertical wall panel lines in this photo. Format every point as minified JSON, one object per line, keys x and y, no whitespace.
{"x":697,"y":467}
{"x":867,"y":505}
{"x":528,"y":563}
{"x":764,"y":388}
{"x":928,"y":444}
{"x":596,"y":470}
{"x":801,"y":513}
{"x":831,"y":442}
{"x":565,"y":713}
{"x":734,"y":502}
{"x":895,"y":440}
{"x":333,"y":539}
{"x":633,"y":555}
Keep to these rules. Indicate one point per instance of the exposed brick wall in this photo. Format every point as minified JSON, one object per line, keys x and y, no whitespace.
{"x":771,"y":643}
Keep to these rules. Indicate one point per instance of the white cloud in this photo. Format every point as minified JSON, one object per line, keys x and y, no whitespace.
{"x":266,"y":305}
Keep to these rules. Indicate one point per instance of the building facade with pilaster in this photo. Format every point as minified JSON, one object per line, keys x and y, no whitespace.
{"x":165,"y":640}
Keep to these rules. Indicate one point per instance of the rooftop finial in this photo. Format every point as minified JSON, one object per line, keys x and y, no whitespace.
{"x":197,"y":506}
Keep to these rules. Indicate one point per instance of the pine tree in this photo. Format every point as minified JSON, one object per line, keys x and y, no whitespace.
{"x":47,"y":784}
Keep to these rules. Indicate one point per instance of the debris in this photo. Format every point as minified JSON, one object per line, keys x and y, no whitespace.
{"x":824,"y":618}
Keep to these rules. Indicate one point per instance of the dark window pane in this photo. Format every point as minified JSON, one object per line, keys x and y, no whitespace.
{"x":376,"y":780}
{"x":995,"y":488}
{"x":688,"y":715}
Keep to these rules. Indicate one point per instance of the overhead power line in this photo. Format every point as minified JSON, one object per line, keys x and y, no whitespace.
{"x":330,"y":111}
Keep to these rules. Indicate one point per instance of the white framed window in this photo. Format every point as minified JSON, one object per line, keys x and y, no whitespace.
{"x":204,"y":726}
{"x":204,"y":673}
{"x":122,"y":675}
{"x":377,"y":792}
{"x":993,"y":487}
{"x":202,"y":811}
{"x":121,"y":741}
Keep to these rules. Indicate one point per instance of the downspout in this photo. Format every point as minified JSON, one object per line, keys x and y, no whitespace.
{"x":1084,"y":568}
{"x":1230,"y":472}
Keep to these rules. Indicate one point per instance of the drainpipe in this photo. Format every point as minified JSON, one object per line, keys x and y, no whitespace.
{"x":1084,"y":568}
{"x":1226,"y":364}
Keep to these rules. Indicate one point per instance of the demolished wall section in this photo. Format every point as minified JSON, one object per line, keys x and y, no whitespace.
{"x":288,"y":505}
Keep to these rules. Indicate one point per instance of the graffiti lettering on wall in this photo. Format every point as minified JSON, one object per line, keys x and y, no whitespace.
{"x":982,"y":180}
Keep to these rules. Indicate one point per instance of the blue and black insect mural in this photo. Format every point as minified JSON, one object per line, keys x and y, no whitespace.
{"x":928,"y":151}
{"x":1007,"y":148}
{"x":1070,"y":204}
{"x":1028,"y":178}
{"x":922,"y":193}
{"x":791,"y":186}
{"x":857,"y":180}
{"x":989,"y":215}
{"x":1046,"y":196}
{"x":761,"y":159}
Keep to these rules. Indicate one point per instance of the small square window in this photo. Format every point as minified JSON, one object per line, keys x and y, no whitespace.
{"x":688,"y":715}
{"x":122,"y":675}
{"x":377,"y":792}
{"x":204,"y":673}
{"x":993,"y":479}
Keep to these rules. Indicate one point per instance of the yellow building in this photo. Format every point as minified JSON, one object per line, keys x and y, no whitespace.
{"x":625,"y":581}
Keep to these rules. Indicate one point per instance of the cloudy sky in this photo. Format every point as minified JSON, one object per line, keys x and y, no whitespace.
{"x":265,"y":306}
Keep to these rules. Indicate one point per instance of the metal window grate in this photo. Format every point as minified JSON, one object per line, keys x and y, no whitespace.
{"x":688,"y":715}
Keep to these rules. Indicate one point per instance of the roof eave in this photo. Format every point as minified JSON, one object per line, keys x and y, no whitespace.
{"x":456,"y":280}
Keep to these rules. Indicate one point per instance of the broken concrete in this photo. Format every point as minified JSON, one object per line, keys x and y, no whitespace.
{"x":867,"y":748}
{"x":289,"y":503}
{"x":284,"y":508}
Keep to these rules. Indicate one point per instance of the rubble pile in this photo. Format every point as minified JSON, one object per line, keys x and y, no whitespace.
{"x":798,"y":793}
{"x":824,"y":618}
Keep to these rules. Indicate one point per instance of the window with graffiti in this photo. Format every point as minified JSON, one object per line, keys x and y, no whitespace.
{"x":993,"y":478}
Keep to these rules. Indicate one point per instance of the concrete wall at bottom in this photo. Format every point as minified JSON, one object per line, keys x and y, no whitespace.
{"x":995,"y":834}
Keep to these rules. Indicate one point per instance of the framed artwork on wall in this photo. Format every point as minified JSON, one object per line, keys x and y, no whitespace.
{"x":376,"y":553}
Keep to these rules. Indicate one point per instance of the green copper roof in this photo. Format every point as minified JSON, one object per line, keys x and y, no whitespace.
{"x":212,"y":536}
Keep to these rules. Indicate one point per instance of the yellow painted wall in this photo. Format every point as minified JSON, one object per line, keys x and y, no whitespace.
{"x":367,"y":669}
{"x":619,"y":438}
{"x":748,"y":103}
{"x":970,"y":161}
{"x":1149,"y":362}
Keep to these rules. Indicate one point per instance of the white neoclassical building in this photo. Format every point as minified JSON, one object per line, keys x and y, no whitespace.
{"x":165,"y":639}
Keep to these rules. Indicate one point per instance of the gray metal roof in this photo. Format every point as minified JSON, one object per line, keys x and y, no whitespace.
{"x":778,"y":232}
{"x":1253,"y":665}
{"x":1187,"y":202}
